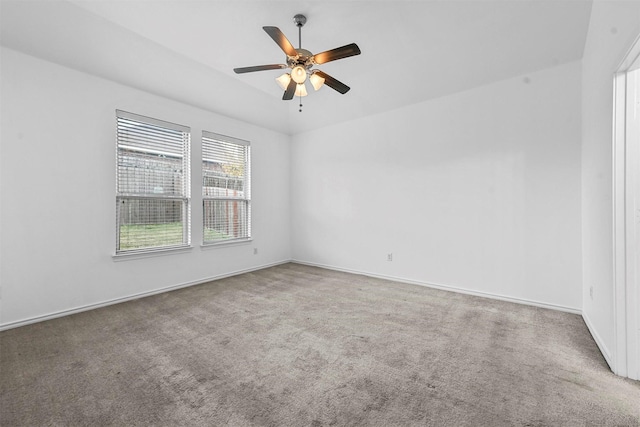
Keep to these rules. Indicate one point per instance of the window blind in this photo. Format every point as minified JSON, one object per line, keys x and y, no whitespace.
{"x":152,"y":183}
{"x":226,"y":188}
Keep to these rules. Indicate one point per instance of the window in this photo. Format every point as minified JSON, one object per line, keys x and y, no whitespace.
{"x":152,"y":184}
{"x":226,"y":193}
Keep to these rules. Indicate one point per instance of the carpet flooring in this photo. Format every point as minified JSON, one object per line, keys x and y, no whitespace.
{"x":294,"y":345}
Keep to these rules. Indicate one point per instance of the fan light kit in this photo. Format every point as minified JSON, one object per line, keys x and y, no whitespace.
{"x":301,"y":62}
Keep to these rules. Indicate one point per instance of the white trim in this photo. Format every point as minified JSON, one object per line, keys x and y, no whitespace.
{"x":522,"y":301}
{"x":88,"y":307}
{"x":632,"y":220}
{"x":62,"y":313}
{"x":618,"y":362}
{"x":226,"y":243}
{"x":599,"y":342}
{"x":626,"y":286}
{"x":148,"y":253}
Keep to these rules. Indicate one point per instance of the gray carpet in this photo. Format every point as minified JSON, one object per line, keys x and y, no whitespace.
{"x":300,"y":346}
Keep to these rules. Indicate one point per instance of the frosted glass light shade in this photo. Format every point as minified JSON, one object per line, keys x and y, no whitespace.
{"x":316,"y":81}
{"x":301,"y":90}
{"x":283,"y":81}
{"x":299,"y":74}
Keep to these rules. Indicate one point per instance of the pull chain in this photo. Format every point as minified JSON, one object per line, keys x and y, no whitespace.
{"x":300,"y":110}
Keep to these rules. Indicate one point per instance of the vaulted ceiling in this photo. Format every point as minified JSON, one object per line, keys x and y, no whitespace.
{"x":411,"y":50}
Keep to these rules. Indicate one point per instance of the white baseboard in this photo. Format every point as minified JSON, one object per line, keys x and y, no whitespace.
{"x":596,"y":337}
{"x":24,"y":322}
{"x":566,"y":309}
{"x":36,"y":319}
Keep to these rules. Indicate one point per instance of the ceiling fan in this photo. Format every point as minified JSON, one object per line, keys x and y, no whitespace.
{"x":301,"y":62}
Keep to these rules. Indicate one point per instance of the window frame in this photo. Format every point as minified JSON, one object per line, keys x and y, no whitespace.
{"x":208,"y":138}
{"x":185,"y":194}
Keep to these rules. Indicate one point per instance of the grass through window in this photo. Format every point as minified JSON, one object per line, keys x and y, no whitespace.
{"x":135,"y":236}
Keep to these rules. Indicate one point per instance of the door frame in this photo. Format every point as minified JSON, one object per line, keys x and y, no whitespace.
{"x":626,"y":215}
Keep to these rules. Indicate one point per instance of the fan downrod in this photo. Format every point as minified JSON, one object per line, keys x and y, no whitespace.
{"x":300,"y":20}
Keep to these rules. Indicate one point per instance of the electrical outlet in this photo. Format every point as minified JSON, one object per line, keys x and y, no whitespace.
{"x":591,"y":292}
{"x":255,"y":251}
{"x":389,"y":257}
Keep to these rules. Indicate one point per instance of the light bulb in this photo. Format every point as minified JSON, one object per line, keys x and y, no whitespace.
{"x":301,"y":90}
{"x":316,"y":81}
{"x":299,"y":74}
{"x":283,"y":81}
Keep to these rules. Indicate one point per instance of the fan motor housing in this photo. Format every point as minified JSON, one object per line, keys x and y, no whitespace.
{"x":303,"y":54}
{"x":303,"y":59}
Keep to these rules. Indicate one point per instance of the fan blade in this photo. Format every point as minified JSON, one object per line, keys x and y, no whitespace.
{"x":291,"y":89}
{"x":279,"y":37}
{"x":333,"y":83}
{"x":259,"y":68}
{"x":337,"y":53}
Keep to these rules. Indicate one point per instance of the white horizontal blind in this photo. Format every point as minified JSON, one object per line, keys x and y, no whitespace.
{"x":152,"y":180}
{"x":226,"y":188}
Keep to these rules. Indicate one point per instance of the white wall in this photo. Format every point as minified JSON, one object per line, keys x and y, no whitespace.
{"x":58,"y":193}
{"x":479,"y":191}
{"x":613,"y":27}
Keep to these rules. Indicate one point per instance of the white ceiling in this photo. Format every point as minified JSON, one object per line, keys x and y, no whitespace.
{"x":411,"y":50}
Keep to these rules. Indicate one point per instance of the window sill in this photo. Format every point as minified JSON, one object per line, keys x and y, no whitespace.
{"x":126,"y":256}
{"x":225,"y":244}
